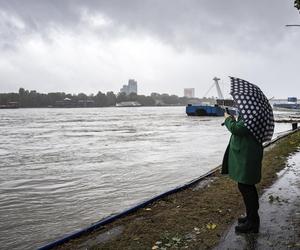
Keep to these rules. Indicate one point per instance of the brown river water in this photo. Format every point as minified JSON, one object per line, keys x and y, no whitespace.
{"x":63,"y":169}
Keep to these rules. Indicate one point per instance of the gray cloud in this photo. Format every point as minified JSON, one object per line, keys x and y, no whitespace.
{"x":73,"y":45}
{"x":204,"y":25}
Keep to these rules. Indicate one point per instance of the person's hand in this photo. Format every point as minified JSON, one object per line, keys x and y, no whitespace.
{"x":226,"y":115}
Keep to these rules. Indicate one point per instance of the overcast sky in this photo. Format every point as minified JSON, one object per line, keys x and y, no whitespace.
{"x":166,"y":45}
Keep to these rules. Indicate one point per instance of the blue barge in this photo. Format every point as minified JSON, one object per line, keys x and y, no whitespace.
{"x":217,"y":109}
{"x":204,"y":110}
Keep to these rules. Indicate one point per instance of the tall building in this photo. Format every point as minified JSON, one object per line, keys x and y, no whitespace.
{"x":124,"y":89}
{"x":131,"y":87}
{"x":189,"y":92}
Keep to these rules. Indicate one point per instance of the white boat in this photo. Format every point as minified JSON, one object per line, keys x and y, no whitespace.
{"x":290,"y":104}
{"x":128,"y":104}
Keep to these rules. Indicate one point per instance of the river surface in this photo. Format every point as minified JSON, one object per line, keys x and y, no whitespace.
{"x":63,"y":169}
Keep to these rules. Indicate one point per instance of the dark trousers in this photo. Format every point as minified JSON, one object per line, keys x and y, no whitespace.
{"x":250,"y":198}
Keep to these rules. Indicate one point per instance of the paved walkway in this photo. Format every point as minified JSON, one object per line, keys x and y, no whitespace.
{"x":279,"y":213}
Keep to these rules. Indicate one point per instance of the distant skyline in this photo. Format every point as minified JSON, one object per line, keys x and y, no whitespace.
{"x":87,"y":46}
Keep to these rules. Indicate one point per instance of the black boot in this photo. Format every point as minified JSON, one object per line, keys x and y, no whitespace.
{"x":248,"y":227}
{"x":242,"y":219}
{"x":250,"y":223}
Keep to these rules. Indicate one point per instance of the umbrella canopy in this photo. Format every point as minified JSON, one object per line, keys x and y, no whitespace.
{"x":254,"y":107}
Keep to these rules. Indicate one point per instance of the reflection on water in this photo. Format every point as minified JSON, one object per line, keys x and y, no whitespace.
{"x":62,"y":169}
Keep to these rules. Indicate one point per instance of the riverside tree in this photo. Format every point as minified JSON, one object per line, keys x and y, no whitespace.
{"x":33,"y":99}
{"x":297,"y":4}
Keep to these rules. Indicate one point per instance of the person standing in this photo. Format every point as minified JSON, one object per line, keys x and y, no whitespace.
{"x":242,"y":162}
{"x":243,"y":157}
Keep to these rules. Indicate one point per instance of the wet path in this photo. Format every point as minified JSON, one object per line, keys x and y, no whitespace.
{"x":279,"y":213}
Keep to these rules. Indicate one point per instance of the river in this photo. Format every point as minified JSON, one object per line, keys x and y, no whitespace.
{"x":63,"y":169}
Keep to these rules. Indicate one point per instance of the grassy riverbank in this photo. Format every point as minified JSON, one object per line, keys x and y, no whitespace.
{"x":192,"y":219}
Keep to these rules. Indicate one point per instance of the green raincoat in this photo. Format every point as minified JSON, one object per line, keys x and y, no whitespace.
{"x":243,"y":156}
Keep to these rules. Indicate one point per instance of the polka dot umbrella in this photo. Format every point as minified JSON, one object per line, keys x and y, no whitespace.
{"x":254,"y":107}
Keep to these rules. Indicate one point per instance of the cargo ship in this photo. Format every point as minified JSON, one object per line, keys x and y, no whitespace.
{"x":217,"y":109}
{"x":291,"y":104}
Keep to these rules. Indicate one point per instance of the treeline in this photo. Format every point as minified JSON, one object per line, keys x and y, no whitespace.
{"x":32,"y":99}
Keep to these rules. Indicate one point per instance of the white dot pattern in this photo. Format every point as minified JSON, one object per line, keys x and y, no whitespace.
{"x":254,"y":108}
